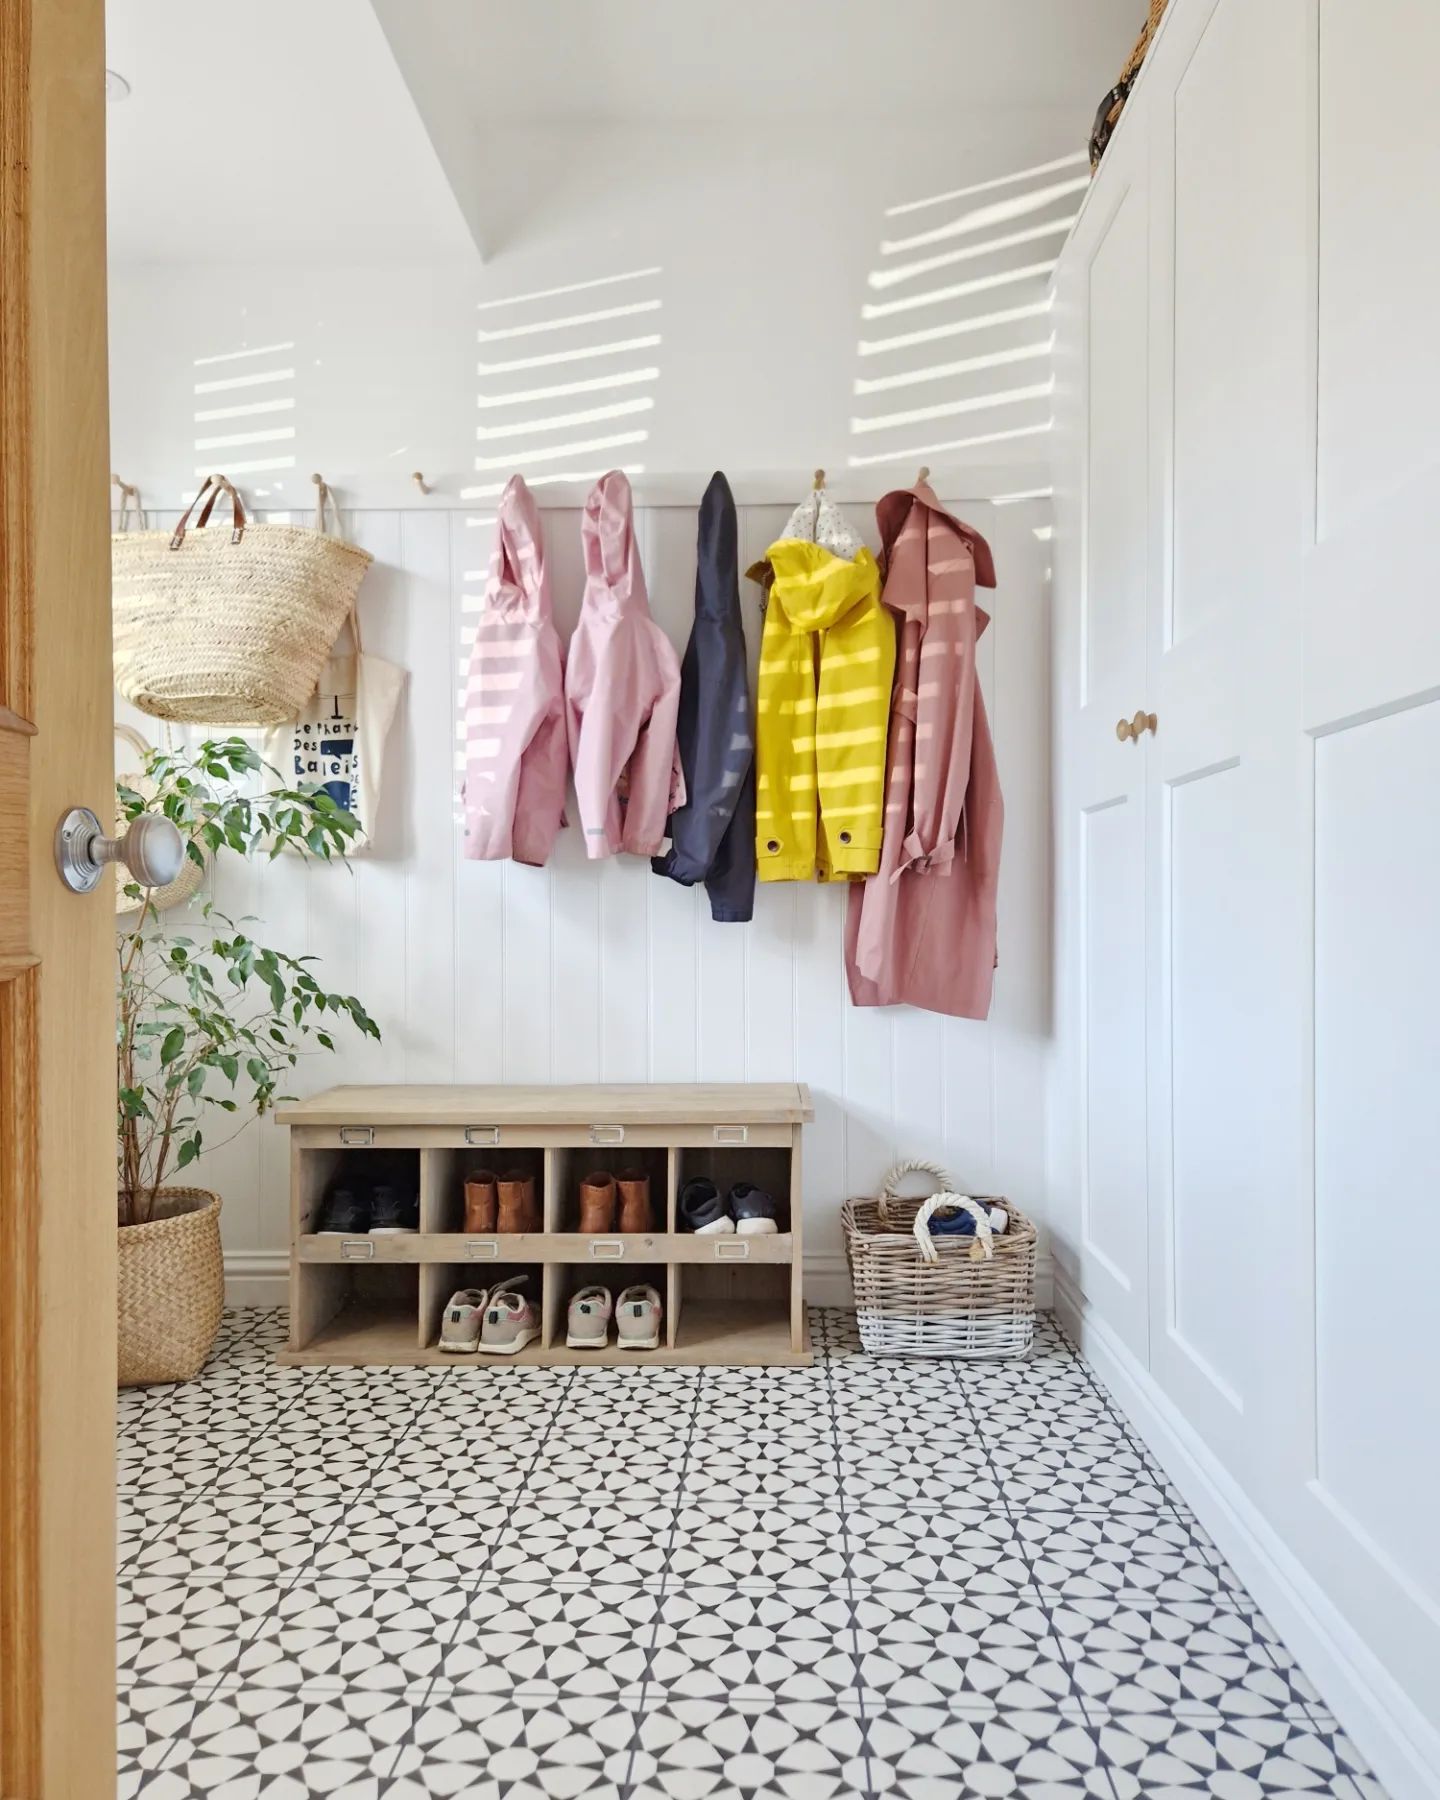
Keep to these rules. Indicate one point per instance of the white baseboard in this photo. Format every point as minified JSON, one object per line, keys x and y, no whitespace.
{"x":1401,"y":1744}
{"x":262,"y":1278}
{"x":257,"y":1278}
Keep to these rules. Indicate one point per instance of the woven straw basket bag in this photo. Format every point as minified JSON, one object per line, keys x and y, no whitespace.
{"x":916,"y":1295}
{"x":228,"y":628}
{"x":171,"y":1288}
{"x":187,"y":883}
{"x":1111,"y":107}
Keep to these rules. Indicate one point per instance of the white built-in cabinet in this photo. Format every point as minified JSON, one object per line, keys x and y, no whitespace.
{"x":1245,"y":1147}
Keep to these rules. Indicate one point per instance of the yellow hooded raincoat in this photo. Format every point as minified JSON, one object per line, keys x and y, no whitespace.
{"x":827,"y":659}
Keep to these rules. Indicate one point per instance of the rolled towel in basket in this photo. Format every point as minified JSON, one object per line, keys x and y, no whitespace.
{"x":954,"y":1222}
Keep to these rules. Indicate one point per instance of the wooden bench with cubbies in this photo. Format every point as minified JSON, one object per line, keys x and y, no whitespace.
{"x":378,"y":1298}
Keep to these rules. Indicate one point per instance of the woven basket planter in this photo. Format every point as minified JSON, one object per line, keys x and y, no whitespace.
{"x":917,"y":1295}
{"x":217,"y":627}
{"x":171,"y":1288}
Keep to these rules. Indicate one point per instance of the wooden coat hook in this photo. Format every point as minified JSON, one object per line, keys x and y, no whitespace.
{"x":819,"y":481}
{"x":421,"y":483}
{"x":924,"y":475}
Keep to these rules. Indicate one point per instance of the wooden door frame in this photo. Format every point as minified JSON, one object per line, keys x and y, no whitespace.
{"x":57,"y":1229}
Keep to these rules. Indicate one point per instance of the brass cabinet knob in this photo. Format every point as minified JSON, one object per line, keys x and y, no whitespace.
{"x":1131,"y":730}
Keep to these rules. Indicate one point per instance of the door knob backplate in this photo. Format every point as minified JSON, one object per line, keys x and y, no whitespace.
{"x":152,"y":850}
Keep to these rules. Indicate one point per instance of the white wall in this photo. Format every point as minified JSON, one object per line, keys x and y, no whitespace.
{"x":1244,"y":1140}
{"x":761,"y":246}
{"x":764,"y":243}
{"x":601,"y":971}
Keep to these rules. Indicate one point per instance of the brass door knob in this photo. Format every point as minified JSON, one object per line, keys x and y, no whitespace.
{"x":1132,"y":729}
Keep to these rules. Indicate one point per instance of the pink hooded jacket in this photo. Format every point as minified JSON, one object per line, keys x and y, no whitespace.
{"x":514,"y":724}
{"x":622,"y":690}
{"x":921,"y":931}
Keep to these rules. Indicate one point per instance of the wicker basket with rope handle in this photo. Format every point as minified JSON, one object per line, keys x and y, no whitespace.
{"x":916,"y":1295}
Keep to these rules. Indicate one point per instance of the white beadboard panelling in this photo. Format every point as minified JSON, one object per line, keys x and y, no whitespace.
{"x":600,"y":971}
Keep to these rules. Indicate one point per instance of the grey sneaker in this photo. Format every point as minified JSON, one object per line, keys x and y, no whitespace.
{"x":460,"y":1328}
{"x":637,"y":1319}
{"x":587,"y":1325}
{"x":511,"y":1321}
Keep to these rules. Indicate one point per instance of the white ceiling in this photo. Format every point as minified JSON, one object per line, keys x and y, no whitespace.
{"x":287,"y":130}
{"x":278,"y":129}
{"x":852,"y":63}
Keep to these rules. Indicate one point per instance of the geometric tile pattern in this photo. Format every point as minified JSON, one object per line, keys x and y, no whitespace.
{"x":918,"y":1579}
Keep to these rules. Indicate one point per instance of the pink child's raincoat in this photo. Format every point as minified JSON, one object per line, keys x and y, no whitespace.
{"x":514,"y":724}
{"x":622,"y":690}
{"x":921,"y":931}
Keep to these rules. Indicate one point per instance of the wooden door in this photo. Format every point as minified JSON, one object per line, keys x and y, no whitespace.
{"x":1101,"y":779}
{"x":57,"y":1219}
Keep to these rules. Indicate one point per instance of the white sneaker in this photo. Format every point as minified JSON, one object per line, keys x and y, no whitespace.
{"x":511,"y":1321}
{"x":587,"y":1325}
{"x":460,"y":1327}
{"x":637,"y":1319}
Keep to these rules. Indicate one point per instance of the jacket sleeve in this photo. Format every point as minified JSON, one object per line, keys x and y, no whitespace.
{"x":717,"y":749}
{"x":945,"y":711}
{"x":540,"y":794}
{"x":505,"y":700}
{"x":656,"y":780}
{"x":601,"y":734}
{"x":730,"y":883}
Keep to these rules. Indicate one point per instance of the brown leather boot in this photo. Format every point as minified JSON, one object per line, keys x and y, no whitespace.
{"x":635,"y":1213}
{"x":480,"y":1201}
{"x":597,"y":1202}
{"x":518,"y":1209}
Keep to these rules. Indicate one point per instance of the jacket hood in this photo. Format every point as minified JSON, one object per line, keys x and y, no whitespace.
{"x":890,"y":516}
{"x":614,"y":579}
{"x":815,"y":588}
{"x":717,"y":565}
{"x":518,"y":582}
{"x":817,"y":520}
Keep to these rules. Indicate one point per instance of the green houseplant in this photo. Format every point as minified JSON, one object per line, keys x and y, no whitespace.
{"x":209,"y":1024}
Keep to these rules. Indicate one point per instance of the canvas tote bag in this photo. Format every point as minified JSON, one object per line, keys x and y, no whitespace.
{"x":216,"y":627}
{"x":339,"y":737}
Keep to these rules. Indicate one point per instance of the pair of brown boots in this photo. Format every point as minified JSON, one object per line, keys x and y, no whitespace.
{"x":501,"y":1202}
{"x":604,"y":1196}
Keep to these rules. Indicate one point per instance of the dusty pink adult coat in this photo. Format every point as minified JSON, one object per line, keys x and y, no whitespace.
{"x":921,"y":930}
{"x":514,"y":723}
{"x":622,"y":689}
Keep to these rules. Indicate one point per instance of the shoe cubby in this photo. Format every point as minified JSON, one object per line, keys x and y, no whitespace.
{"x":746,"y":1311}
{"x":446,"y":1170}
{"x":763,"y":1166}
{"x":438,"y":1281}
{"x":361,"y":1311}
{"x":359,"y":1170}
{"x":571,"y":1277}
{"x":364,"y":1298}
{"x":571,"y":1164}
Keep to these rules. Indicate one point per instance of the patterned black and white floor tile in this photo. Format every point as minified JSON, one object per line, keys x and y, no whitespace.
{"x":860,"y":1580}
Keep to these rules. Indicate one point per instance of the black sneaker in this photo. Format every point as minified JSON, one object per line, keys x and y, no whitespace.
{"x":702,"y":1210}
{"x":391,"y":1212}
{"x":754,"y":1210}
{"x":343,"y":1214}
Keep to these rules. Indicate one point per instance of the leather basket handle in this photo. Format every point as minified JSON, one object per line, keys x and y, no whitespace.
{"x":215,"y":485}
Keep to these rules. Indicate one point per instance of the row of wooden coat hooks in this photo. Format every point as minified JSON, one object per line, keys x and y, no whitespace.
{"x":128,"y":489}
{"x":923,"y":475}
